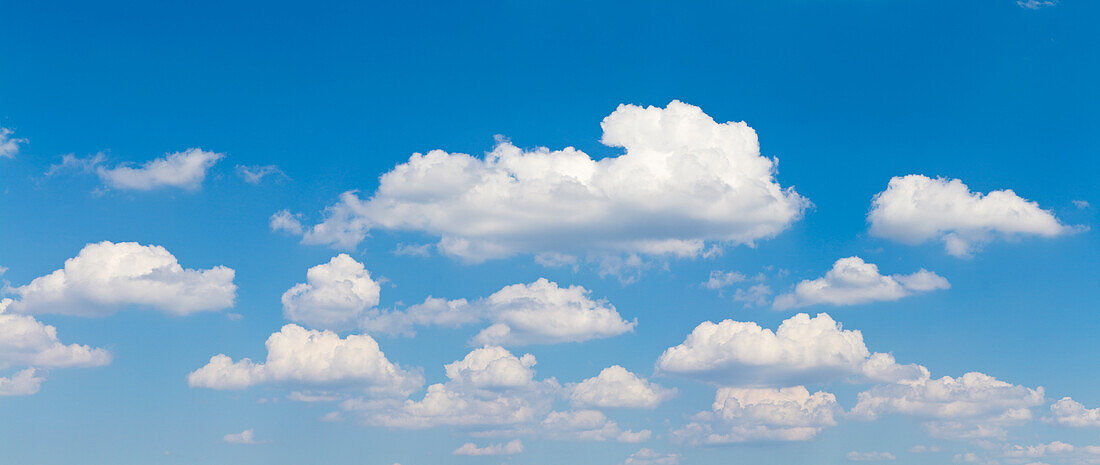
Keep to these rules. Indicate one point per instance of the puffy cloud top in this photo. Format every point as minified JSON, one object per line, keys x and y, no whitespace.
{"x":540,"y":312}
{"x":915,"y":209}
{"x":754,"y":414}
{"x":1068,"y":412}
{"x":852,"y":281}
{"x":801,"y":350}
{"x":511,"y":448}
{"x":968,"y":396}
{"x":22,"y":383}
{"x":106,"y":276}
{"x":184,"y":170}
{"x":296,"y":355}
{"x":492,"y":366}
{"x":24,"y":341}
{"x":617,"y":387}
{"x":683,"y":180}
{"x":543,"y":313}
{"x":334,"y":296}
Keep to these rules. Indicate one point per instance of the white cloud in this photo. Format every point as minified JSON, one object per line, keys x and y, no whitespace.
{"x":870,"y":456}
{"x":22,"y":383}
{"x":185,"y":170}
{"x":754,"y":414}
{"x":970,"y":395}
{"x":492,"y":366}
{"x":9,"y":146}
{"x":488,"y":387}
{"x":757,"y":294}
{"x":683,"y":181}
{"x":719,"y":279}
{"x":285,"y":221}
{"x":511,"y":448}
{"x":852,"y":281}
{"x":244,"y":437}
{"x":646,"y":456}
{"x":800,"y":351}
{"x":296,"y":355}
{"x":1038,"y":450}
{"x":335,"y":294}
{"x":1068,"y":412}
{"x":105,"y":277}
{"x":581,"y":425}
{"x":540,"y":312}
{"x":256,"y":173}
{"x":1081,"y":204}
{"x":1036,"y":4}
{"x":617,"y":387}
{"x":24,"y":341}
{"x":634,"y":437}
{"x":916,"y":209}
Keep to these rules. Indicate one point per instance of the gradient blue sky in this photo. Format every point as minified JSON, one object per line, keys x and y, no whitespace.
{"x":846,"y":94}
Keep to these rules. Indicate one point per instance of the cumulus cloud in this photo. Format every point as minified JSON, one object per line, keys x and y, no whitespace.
{"x":800,"y":351}
{"x":105,"y":277}
{"x":540,"y":312}
{"x":870,"y":456}
{"x":9,"y":146}
{"x":1038,"y":450}
{"x":297,"y":356}
{"x":256,"y":173}
{"x":719,"y":279}
{"x":615,"y":387}
{"x":683,"y":181}
{"x":511,"y":448}
{"x":24,"y":341}
{"x":488,"y":387}
{"x":23,"y":383}
{"x":972,"y":406}
{"x":1068,"y":412}
{"x":584,"y":425}
{"x":285,"y":221}
{"x":244,"y":437}
{"x":852,"y":281}
{"x":761,"y":414}
{"x":185,"y":170}
{"x":492,"y":366}
{"x":915,"y":209}
{"x":646,"y":456}
{"x":335,"y":294}
{"x":1035,"y":4}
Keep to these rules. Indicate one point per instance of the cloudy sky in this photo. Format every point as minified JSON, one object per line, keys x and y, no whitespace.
{"x":779,"y":232}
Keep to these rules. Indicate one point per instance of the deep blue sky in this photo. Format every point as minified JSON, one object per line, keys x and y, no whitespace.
{"x":846,"y":94}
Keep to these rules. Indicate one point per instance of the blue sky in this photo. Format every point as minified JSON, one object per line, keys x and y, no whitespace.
{"x":103,"y":104}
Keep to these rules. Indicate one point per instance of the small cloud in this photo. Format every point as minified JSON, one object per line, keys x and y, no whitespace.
{"x":1081,"y":204}
{"x":71,"y":162}
{"x":9,"y":146}
{"x":870,"y":456}
{"x":288,"y":222}
{"x":510,"y":448}
{"x":255,"y":174}
{"x":413,"y":250}
{"x":720,"y":279}
{"x":1036,"y":4}
{"x":756,"y":295}
{"x":234,"y":316}
{"x":244,"y":437}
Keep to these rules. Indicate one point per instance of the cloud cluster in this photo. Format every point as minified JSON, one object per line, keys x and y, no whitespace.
{"x":915,"y":209}
{"x":540,"y":312}
{"x":762,"y":414}
{"x":334,"y":295}
{"x":802,"y":350}
{"x":297,"y":356}
{"x":615,"y":387}
{"x":106,"y":277}
{"x":851,"y":281}
{"x":683,"y":181}
{"x":184,"y":170}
